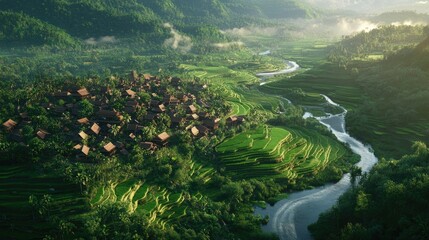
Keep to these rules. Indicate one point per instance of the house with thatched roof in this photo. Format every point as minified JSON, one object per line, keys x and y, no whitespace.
{"x":203,"y":130}
{"x":83,"y":135}
{"x":95,"y":128}
{"x":177,"y":120}
{"x":171,"y":100}
{"x":108,"y":116}
{"x":109,"y":148}
{"x":42,"y":134}
{"x":85,"y":150}
{"x":194,"y":117}
{"x":159,"y":108}
{"x":191,"y":109}
{"x":83,"y":121}
{"x":162,"y":139}
{"x":232,"y":120}
{"x":195,"y":132}
{"x":83,"y":93}
{"x":9,"y":125}
{"x":130,"y":93}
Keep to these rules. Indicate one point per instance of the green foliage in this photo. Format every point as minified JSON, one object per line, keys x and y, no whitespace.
{"x":387,"y":204}
{"x":385,"y":40}
{"x":86,"y":19}
{"x":86,"y":108}
{"x":20,"y":29}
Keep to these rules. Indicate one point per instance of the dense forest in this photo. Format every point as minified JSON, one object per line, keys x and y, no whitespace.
{"x":145,"y":19}
{"x":388,"y":203}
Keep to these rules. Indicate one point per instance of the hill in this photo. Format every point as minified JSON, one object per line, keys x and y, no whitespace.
{"x":409,"y":17}
{"x":366,"y":212}
{"x":85,"y":19}
{"x":18,"y":27}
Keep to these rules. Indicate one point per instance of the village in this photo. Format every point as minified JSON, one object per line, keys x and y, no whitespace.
{"x":143,"y":110}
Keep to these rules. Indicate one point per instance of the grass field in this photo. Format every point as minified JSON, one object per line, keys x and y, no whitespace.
{"x":17,"y":183}
{"x":272,"y":152}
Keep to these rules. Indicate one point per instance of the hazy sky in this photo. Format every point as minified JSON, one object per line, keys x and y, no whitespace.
{"x":374,"y":6}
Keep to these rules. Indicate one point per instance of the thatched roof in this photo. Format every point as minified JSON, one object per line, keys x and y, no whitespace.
{"x":42,"y":134}
{"x":77,"y":147}
{"x":10,"y":124}
{"x":109,"y":147}
{"x":83,"y":92}
{"x":83,"y":135}
{"x":83,"y":121}
{"x":95,"y":128}
{"x":163,"y":137}
{"x":131,"y":93}
{"x":85,"y":150}
{"x":195,"y":131}
{"x":231,"y":119}
{"x":192,"y":108}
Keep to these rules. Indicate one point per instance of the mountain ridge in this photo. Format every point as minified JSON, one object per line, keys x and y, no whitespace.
{"x":83,"y":19}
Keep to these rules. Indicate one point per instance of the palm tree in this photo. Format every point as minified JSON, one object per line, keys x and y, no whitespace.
{"x":126,"y":118}
{"x":115,"y":130}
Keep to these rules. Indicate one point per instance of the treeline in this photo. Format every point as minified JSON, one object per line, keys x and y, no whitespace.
{"x":389,"y":203}
{"x":385,"y":41}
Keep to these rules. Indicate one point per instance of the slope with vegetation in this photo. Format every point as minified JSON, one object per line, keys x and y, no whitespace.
{"x":389,"y":203}
{"x":385,"y":95}
{"x":21,"y":28}
{"x":279,"y":153}
{"x":145,"y":19}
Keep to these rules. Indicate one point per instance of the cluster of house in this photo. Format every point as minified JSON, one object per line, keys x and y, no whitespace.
{"x":181,"y":107}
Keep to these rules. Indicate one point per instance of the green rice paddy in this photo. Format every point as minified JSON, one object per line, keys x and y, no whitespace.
{"x":272,"y":152}
{"x":17,"y":184}
{"x":157,"y":203}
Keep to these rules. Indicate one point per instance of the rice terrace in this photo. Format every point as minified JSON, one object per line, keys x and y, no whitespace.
{"x":272,"y":152}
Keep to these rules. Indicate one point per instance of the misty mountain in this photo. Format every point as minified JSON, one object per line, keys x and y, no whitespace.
{"x":407,"y":17}
{"x":84,"y":19}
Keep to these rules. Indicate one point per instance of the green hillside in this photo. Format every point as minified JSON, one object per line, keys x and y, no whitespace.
{"x":279,"y":153}
{"x":20,"y":28}
{"x":145,"y":19}
{"x":389,"y":203}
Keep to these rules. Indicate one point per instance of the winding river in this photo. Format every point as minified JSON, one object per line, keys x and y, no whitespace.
{"x":291,"y":67}
{"x":289,"y":218}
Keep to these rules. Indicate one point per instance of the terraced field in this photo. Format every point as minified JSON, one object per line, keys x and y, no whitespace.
{"x":239,"y":107}
{"x":17,"y":184}
{"x":160,"y":205}
{"x":272,"y":152}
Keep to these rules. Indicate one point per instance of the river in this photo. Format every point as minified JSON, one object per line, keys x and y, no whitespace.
{"x":289,"y":218}
{"x":291,"y":67}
